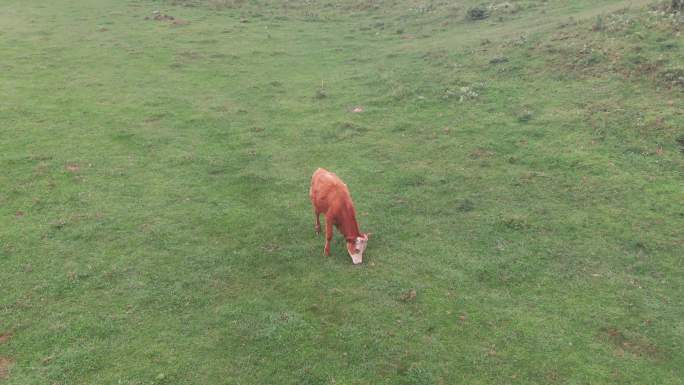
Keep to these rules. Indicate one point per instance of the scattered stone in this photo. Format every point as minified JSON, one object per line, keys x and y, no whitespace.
{"x":163,"y":17}
{"x":157,"y":15}
{"x":524,"y":116}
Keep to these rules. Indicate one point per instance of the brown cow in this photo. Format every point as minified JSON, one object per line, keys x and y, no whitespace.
{"x":330,"y":196}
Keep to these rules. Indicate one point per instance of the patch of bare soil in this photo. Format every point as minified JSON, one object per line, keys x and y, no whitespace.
{"x":73,"y":167}
{"x":636,"y":345}
{"x":5,"y":364}
{"x":408,"y":296}
{"x":480,"y":153}
{"x":4,"y":337}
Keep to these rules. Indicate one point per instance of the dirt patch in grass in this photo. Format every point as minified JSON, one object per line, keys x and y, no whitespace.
{"x":73,"y":167}
{"x":481,"y":153}
{"x":5,"y":364}
{"x":636,"y":345}
{"x":4,"y":337}
{"x":408,"y":296}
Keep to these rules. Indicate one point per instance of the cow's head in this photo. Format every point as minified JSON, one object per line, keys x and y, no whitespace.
{"x":356,"y":247}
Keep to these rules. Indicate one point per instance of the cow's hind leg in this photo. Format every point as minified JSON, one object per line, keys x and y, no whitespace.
{"x":328,"y":235}
{"x":317,"y":224}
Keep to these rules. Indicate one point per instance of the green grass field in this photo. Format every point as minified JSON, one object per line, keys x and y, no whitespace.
{"x":522,"y":175}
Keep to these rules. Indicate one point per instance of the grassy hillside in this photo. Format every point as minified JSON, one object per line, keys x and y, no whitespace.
{"x":520,"y":165}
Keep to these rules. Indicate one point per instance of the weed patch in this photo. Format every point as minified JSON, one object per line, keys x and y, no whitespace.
{"x":477,"y":13}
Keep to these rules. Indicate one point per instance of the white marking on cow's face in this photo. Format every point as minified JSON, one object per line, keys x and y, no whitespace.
{"x":356,"y":249}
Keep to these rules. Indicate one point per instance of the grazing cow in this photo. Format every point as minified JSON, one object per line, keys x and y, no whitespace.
{"x":330,"y":196}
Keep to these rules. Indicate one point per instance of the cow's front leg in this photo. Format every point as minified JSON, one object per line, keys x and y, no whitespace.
{"x":328,"y":235}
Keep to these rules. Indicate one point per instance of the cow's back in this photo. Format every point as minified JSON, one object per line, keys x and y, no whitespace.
{"x":327,"y":190}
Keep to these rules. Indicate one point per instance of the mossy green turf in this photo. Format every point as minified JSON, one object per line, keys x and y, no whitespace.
{"x":155,"y":226}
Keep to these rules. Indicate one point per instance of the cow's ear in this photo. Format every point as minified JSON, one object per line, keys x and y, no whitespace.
{"x":367,"y":235}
